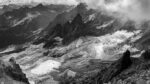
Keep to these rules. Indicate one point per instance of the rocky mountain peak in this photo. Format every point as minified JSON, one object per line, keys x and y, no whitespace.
{"x":11,"y":71}
{"x":125,"y":60}
{"x":146,"y":55}
{"x":40,"y":7}
{"x":117,"y":67}
{"x":82,"y":6}
{"x":77,"y":19}
{"x":69,"y":31}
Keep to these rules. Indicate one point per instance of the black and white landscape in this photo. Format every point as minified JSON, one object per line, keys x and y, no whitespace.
{"x":74,"y":42}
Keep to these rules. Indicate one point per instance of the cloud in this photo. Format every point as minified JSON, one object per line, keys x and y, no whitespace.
{"x":136,"y":10}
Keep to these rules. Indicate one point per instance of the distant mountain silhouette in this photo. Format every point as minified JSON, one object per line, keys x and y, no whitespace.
{"x":17,"y":26}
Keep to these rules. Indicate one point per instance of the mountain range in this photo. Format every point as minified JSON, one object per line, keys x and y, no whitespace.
{"x":61,"y":44}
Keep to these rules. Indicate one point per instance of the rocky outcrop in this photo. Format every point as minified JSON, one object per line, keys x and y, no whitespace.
{"x":75,"y":23}
{"x":146,"y":55}
{"x":72,"y":30}
{"x":69,"y":31}
{"x":15,"y":72}
{"x":143,"y":63}
{"x":105,"y":74}
{"x":117,"y":67}
{"x":123,"y":71}
{"x":70,"y":15}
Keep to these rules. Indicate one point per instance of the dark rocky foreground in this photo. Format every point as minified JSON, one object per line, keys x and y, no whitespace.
{"x":126,"y":70}
{"x":11,"y":72}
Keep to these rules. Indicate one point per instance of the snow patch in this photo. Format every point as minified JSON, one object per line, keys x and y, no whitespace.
{"x":28,"y":17}
{"x":46,"y":67}
{"x":108,"y":46}
{"x":99,"y":51}
{"x":91,"y":17}
{"x":104,"y":25}
{"x":8,"y":50}
{"x":115,"y":38}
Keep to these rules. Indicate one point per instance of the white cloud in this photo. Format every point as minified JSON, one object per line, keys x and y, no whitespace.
{"x":137,"y":10}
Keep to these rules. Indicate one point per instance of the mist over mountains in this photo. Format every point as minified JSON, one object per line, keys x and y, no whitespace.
{"x":135,"y":10}
{"x":68,"y":42}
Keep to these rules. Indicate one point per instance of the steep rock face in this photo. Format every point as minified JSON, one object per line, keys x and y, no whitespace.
{"x":11,"y":73}
{"x":123,"y":71}
{"x":146,"y":55}
{"x":15,"y":72}
{"x":92,"y":17}
{"x":105,"y":74}
{"x":26,"y":24}
{"x":69,"y":31}
{"x":72,"y":30}
{"x":117,"y":67}
{"x":62,"y":18}
{"x":81,"y":21}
